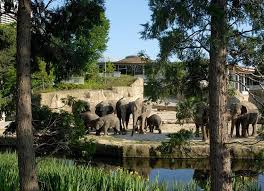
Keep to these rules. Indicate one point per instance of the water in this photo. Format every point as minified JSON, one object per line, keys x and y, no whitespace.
{"x":182,"y":170}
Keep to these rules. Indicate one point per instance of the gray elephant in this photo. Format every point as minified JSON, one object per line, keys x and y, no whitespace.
{"x":138,"y":108}
{"x":123,"y":111}
{"x":105,"y":107}
{"x":106,"y":122}
{"x":153,"y":122}
{"x":89,"y":120}
{"x":245,"y":120}
{"x":237,"y":110}
{"x":201,"y":119}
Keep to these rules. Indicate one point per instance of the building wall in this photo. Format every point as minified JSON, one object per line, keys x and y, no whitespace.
{"x":132,"y":92}
{"x":6,"y":18}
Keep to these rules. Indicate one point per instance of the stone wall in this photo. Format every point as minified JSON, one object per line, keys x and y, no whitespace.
{"x":132,"y":92}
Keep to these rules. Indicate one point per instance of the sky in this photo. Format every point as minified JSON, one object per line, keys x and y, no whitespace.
{"x":126,"y":17}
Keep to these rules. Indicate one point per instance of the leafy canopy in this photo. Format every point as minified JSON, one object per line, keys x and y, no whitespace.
{"x":183,"y":28}
{"x":71,"y":37}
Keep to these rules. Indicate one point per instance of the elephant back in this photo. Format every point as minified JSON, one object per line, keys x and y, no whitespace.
{"x":89,"y":116}
{"x":136,"y":105}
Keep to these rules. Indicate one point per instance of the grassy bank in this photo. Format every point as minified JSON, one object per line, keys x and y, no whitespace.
{"x":95,"y":84}
{"x":64,"y":175}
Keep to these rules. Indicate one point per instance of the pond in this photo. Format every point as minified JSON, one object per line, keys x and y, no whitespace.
{"x":182,"y":170}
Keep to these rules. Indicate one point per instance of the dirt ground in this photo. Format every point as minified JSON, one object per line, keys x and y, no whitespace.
{"x":169,"y":125}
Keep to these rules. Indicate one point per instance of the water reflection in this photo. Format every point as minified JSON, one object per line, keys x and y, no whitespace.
{"x":183,"y":170}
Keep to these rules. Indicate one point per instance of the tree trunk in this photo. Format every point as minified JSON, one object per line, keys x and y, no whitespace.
{"x":26,"y":156}
{"x":220,"y":164}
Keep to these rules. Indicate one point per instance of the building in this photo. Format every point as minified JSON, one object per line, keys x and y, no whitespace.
{"x":7,"y":17}
{"x":241,"y":78}
{"x":130,"y":65}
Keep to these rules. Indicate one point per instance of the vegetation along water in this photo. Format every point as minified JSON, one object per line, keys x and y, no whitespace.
{"x":62,"y":175}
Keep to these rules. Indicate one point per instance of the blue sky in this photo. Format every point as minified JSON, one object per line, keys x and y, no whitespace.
{"x":124,"y":39}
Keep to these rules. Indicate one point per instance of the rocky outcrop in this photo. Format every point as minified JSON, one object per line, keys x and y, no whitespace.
{"x":53,"y":99}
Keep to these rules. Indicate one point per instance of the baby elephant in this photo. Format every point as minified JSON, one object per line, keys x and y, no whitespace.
{"x":89,"y":120}
{"x":247,"y":119}
{"x":106,"y":122}
{"x":153,"y":121}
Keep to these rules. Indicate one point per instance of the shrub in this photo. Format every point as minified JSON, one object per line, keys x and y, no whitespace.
{"x":177,"y":141}
{"x":53,"y":131}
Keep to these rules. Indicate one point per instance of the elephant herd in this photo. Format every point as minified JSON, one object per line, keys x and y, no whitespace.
{"x":240,"y":116}
{"x":116,"y":115}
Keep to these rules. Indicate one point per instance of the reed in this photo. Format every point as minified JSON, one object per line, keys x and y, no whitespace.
{"x":65,"y":175}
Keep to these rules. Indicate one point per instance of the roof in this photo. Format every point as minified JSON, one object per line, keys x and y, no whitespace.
{"x":132,"y":60}
{"x":241,"y":70}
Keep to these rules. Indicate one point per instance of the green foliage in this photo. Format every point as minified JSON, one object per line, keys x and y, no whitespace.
{"x":110,"y":67}
{"x":164,"y":80}
{"x":7,"y":68}
{"x":99,"y":83}
{"x":75,"y":35}
{"x":41,"y":79}
{"x":171,"y":79}
{"x":183,"y":28}
{"x":53,"y":131}
{"x":62,"y":175}
{"x":92,"y":72}
{"x":78,"y":106}
{"x":177,"y":141}
{"x":186,"y":109}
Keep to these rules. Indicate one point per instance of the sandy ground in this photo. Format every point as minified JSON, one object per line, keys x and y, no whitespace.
{"x":169,"y":125}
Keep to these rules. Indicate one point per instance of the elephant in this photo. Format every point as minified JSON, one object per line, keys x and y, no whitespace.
{"x":138,"y":108}
{"x":89,"y":119}
{"x":105,"y":107}
{"x":123,"y":111}
{"x":245,"y":120}
{"x":237,"y":110}
{"x":201,"y":119}
{"x":106,"y":122}
{"x":153,"y":122}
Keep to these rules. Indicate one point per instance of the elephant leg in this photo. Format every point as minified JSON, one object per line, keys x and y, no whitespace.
{"x":237,"y":128}
{"x":105,"y":130}
{"x":207,"y":130}
{"x":254,"y":129}
{"x":197,"y":130}
{"x":116,"y":131}
{"x":244,"y":130}
{"x":127,"y":120}
{"x":247,"y":130}
{"x":159,"y":130}
{"x":151,"y":128}
{"x":204,"y":133}
{"x":232,"y":127}
{"x":141,"y":125}
{"x":98,"y":132}
{"x":134,"y":124}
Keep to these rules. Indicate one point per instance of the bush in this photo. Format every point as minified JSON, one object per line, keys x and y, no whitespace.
{"x":95,"y":84}
{"x":54,"y":132}
{"x":177,"y":140}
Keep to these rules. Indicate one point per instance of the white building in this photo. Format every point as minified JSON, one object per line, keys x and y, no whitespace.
{"x":7,"y":17}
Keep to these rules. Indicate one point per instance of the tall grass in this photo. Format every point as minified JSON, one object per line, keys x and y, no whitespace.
{"x":64,"y":175}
